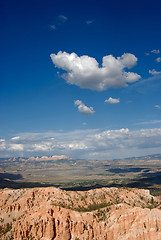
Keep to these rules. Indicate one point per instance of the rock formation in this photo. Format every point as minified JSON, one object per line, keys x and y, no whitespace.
{"x":100,"y":214}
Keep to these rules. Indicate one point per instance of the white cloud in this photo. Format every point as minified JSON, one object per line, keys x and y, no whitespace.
{"x":156,"y":51}
{"x":2,"y":140}
{"x":84,"y":123}
{"x":157,"y":106}
{"x":16,"y":147}
{"x":15,"y":138}
{"x":112,"y":100}
{"x":128,"y":60}
{"x":83,"y":108}
{"x":2,"y":144}
{"x":46,"y":146}
{"x":154,"y":72}
{"x":78,"y":102}
{"x":77,"y":146}
{"x":90,"y":143}
{"x":158,"y":59}
{"x":85,"y":72}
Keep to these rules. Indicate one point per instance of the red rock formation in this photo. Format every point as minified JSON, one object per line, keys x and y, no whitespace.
{"x":46,"y":158}
{"x":100,"y":214}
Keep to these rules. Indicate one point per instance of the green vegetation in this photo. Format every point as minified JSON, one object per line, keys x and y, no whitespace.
{"x":89,"y":208}
{"x":5,"y":229}
{"x":92,"y":207}
{"x":101,"y":214}
{"x":9,"y":195}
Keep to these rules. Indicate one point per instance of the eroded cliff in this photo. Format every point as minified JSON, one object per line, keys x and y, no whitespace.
{"x":106,"y":213}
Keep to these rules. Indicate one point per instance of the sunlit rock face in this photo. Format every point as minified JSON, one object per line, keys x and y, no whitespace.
{"x":106,"y":213}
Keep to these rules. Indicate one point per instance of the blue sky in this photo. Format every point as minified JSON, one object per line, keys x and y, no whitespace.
{"x":108,"y":103}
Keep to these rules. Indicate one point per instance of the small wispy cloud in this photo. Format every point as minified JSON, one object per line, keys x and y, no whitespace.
{"x":112,"y":100}
{"x":83,"y":108}
{"x":158,"y":59}
{"x":148,"y":122}
{"x":89,"y":22}
{"x":157,"y":106}
{"x":62,"y":18}
{"x":156,"y":51}
{"x":154,"y":72}
{"x":53,"y":27}
{"x":84,"y":123}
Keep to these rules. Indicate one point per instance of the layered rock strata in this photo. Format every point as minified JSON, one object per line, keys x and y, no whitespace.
{"x":100,"y":214}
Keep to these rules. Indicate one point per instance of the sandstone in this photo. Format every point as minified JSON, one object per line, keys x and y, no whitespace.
{"x":100,"y":214}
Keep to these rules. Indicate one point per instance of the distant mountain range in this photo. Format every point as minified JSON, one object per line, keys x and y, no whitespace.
{"x":146,"y":157}
{"x":64,"y":157}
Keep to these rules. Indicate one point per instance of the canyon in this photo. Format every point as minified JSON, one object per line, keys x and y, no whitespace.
{"x":49,"y":213}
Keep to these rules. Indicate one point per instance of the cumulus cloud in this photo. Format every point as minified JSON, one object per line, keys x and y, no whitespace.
{"x":45,"y":146}
{"x":158,"y":59}
{"x":85,"y":72}
{"x":156,"y":51}
{"x":126,"y":140}
{"x":154,"y":72}
{"x":83,"y":108}
{"x":16,"y":147}
{"x":90,"y":143}
{"x":128,"y":60}
{"x":112,"y":100}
